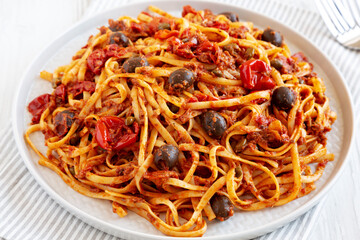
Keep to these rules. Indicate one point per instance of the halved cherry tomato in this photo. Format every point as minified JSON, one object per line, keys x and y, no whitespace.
{"x":60,"y":94}
{"x":254,"y":73}
{"x":111,"y":133}
{"x":264,"y":83}
{"x":96,"y":60}
{"x":37,"y":106}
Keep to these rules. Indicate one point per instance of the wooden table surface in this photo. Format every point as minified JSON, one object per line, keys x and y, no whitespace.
{"x":26,"y":27}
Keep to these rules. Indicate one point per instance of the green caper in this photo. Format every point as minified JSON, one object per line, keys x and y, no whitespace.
{"x":238,"y":172}
{"x":250,"y":52}
{"x":232,"y":48}
{"x":276,"y":63}
{"x":56,"y":82}
{"x":239,"y":145}
{"x":72,"y":171}
{"x":163,"y":26}
{"x":129,"y":121}
{"x":218,"y":73}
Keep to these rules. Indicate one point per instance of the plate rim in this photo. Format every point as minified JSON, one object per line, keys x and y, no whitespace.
{"x":106,"y":227}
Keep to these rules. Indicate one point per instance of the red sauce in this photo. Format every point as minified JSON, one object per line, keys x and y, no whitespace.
{"x":298,"y":118}
{"x":164,"y":34}
{"x":201,"y":97}
{"x":79,"y":87}
{"x":262,"y":120}
{"x":160,"y":177}
{"x":208,"y":52}
{"x":238,"y":32}
{"x":116,"y":25}
{"x":288,"y":64}
{"x":180,"y":48}
{"x":114,"y":50}
{"x":217,"y":24}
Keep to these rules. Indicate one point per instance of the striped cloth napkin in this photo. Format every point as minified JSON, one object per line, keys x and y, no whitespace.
{"x":28,"y":212}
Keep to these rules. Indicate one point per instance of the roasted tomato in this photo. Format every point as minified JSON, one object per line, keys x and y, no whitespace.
{"x":111,"y":133}
{"x":254,"y":74}
{"x":60,"y":94}
{"x":96,"y":60}
{"x":37,"y":106}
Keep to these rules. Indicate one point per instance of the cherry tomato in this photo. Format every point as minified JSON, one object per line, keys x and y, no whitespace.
{"x":264,"y":83}
{"x":37,"y":106}
{"x":96,"y":60}
{"x":111,"y":133}
{"x":254,"y":73}
{"x":60,"y":94}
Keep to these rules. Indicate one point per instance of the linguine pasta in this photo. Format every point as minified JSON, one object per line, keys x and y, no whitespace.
{"x":185,"y":119}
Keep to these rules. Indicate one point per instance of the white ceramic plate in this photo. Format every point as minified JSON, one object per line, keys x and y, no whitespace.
{"x":98,"y":213}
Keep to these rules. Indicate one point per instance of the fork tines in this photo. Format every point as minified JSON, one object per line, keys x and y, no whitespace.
{"x":341,"y":22}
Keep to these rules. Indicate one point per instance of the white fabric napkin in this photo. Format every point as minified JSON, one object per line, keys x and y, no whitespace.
{"x":28,"y":212}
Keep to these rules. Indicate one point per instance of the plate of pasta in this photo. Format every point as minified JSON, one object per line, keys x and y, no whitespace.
{"x":159,"y":120}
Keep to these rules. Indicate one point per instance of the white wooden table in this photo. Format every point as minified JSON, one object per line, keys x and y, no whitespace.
{"x":26,"y":27}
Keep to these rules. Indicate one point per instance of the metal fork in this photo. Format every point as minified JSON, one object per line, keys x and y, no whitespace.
{"x":340,"y":21}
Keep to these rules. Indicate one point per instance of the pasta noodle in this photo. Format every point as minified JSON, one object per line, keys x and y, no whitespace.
{"x":185,"y":119}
